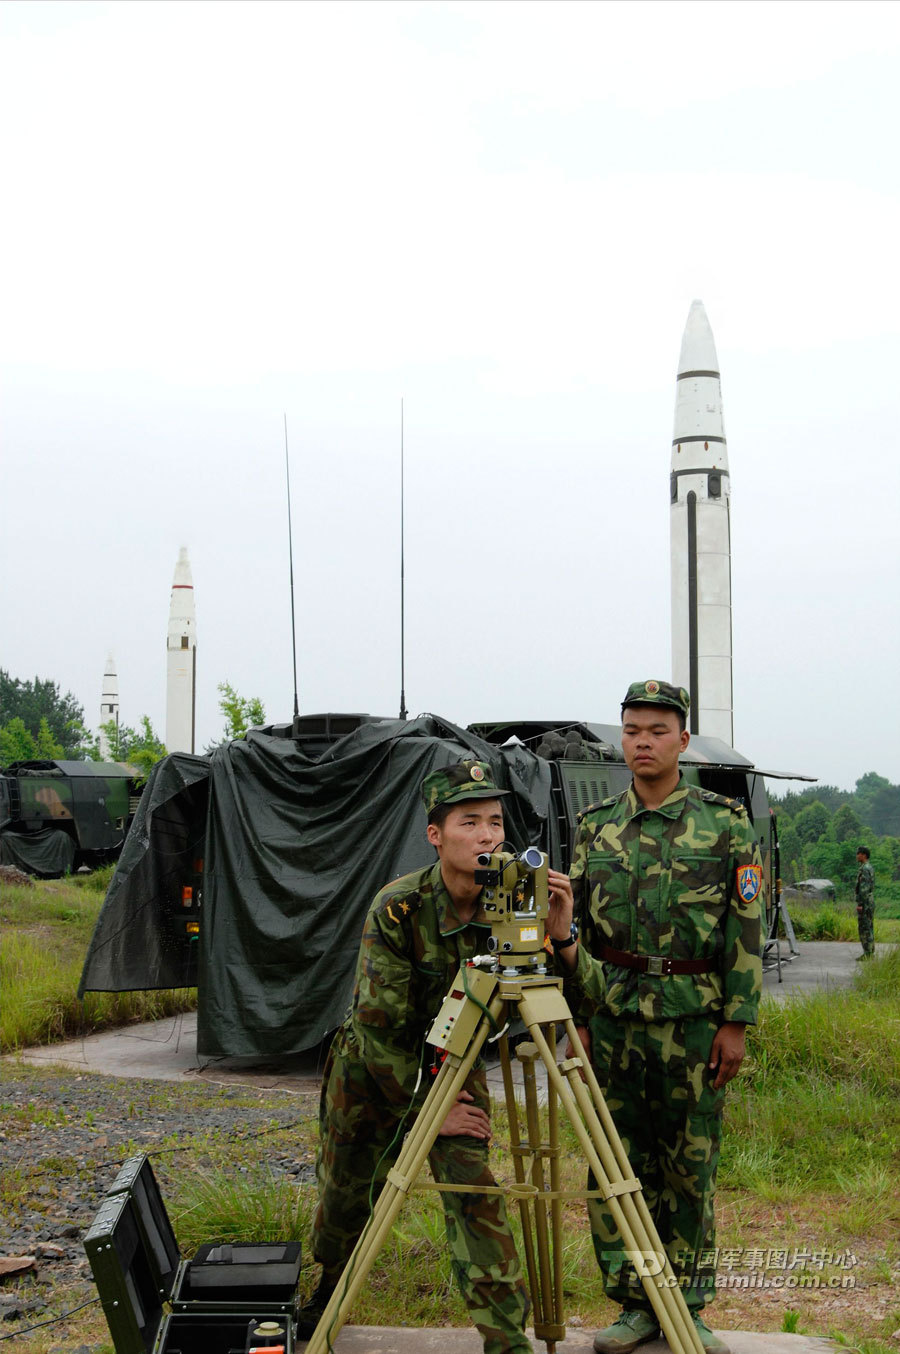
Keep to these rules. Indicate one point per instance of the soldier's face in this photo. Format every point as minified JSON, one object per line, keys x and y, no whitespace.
{"x":468,"y":830}
{"x":652,"y":741}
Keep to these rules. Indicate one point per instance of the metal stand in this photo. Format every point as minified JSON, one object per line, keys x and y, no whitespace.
{"x":771,"y":955}
{"x":478,"y":1004}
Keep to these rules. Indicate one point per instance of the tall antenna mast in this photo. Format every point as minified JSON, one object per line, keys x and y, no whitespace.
{"x":402,"y":581}
{"x":287,"y":475}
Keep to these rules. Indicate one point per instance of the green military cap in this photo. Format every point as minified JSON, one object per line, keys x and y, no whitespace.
{"x":653,"y":692}
{"x":453,"y":784}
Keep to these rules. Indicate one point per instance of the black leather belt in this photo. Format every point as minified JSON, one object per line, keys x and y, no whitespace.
{"x":656,"y":964}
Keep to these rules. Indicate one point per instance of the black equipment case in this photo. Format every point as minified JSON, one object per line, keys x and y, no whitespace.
{"x":157,"y":1303}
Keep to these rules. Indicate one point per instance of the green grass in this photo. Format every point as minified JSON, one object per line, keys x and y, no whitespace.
{"x":817,"y":1107}
{"x":46,"y":932}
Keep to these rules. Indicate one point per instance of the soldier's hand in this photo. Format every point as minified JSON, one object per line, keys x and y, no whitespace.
{"x":562,"y":904}
{"x":727,"y":1052}
{"x":466,"y":1120}
{"x":559,"y":916}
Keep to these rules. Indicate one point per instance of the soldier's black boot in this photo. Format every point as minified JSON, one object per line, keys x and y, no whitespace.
{"x":310,"y":1313}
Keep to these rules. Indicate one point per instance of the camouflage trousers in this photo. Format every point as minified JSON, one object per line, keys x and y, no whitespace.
{"x":865,"y":921}
{"x":356,"y":1126}
{"x":656,"y":1082}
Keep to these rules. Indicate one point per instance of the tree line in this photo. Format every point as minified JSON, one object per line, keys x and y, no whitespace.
{"x":819,"y":830}
{"x":39,"y":723}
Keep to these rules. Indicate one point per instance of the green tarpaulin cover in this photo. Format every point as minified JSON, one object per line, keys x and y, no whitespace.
{"x":294,"y":850}
{"x":49,"y":853}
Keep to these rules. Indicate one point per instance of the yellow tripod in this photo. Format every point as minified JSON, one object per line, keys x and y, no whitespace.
{"x":478,"y":1003}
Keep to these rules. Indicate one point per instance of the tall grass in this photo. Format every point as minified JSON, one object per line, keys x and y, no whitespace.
{"x":825,"y":922}
{"x":232,"y":1205}
{"x":47,"y":930}
{"x":834,"y":1035}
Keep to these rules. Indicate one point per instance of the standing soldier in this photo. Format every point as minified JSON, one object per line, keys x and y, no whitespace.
{"x":419,"y":932}
{"x":662,"y":983}
{"x":865,"y":903}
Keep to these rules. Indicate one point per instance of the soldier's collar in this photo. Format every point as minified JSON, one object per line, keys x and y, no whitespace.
{"x":447,"y":918}
{"x":670,"y":807}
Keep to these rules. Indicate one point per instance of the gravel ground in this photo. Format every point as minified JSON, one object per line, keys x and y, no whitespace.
{"x":63,"y":1138}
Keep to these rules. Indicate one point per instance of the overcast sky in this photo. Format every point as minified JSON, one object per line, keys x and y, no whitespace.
{"x":219,"y":213}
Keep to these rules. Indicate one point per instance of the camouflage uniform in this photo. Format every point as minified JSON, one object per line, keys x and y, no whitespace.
{"x":865,"y":907}
{"x":412,"y":946}
{"x":665,"y":882}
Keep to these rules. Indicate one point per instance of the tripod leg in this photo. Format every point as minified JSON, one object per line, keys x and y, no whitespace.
{"x":404,"y":1173}
{"x":555,"y":1203}
{"x":512,"y":1114}
{"x":609,"y":1162}
{"x":600,"y":1107}
{"x":551,"y":1329}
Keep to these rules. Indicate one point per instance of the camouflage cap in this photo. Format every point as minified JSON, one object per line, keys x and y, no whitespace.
{"x":453,"y":784}
{"x":653,"y":692}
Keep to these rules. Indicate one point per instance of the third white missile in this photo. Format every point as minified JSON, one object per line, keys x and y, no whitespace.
{"x":109,"y":708}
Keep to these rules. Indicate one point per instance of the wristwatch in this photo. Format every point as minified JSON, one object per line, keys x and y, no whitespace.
{"x":569,"y":940}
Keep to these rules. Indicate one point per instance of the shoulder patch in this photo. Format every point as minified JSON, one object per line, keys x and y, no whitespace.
{"x":749,"y":882}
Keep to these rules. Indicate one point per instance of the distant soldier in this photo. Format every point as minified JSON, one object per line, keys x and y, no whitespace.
{"x":662,"y":980}
{"x":865,"y":903}
{"x":419,"y":932}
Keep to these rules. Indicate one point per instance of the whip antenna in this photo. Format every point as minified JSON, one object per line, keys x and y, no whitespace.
{"x":287,"y":476}
{"x":402,"y":583}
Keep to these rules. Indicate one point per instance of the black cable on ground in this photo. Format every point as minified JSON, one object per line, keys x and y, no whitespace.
{"x":54,"y":1320}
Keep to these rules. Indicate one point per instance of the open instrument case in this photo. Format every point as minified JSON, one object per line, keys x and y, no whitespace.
{"x":158,"y":1303}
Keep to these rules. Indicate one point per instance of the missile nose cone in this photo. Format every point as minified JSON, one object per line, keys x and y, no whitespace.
{"x":698,"y":350}
{"x":698,"y":405}
{"x":183,"y":578}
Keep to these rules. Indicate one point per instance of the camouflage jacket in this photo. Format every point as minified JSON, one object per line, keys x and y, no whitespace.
{"x":865,"y":883}
{"x":412,"y":945}
{"x":672,"y":881}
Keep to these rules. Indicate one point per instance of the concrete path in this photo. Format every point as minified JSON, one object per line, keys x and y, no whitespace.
{"x":454,"y":1340}
{"x":827,"y":964}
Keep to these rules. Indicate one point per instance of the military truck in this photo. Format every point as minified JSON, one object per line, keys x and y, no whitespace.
{"x":58,"y":815}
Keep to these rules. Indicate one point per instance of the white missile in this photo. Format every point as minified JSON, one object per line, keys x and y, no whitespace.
{"x":181,"y":656}
{"x":109,"y":707}
{"x":701,"y":535}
